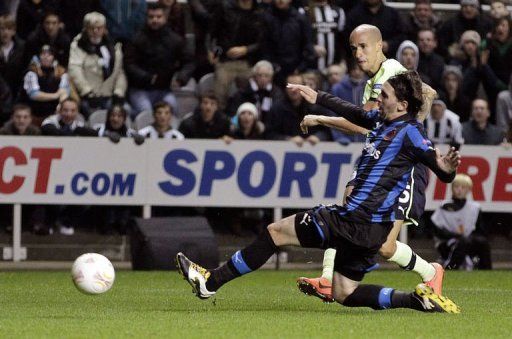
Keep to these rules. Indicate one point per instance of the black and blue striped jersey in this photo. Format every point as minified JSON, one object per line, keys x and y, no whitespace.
{"x":390,"y":152}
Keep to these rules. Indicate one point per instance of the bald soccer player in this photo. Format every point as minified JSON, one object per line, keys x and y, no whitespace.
{"x":366,"y":46}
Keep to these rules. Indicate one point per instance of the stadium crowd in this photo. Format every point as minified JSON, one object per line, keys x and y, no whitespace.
{"x":217,"y":69}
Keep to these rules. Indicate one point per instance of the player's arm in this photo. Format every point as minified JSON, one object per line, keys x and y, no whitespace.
{"x":345,"y":109}
{"x":444,"y":166}
{"x":338,"y":123}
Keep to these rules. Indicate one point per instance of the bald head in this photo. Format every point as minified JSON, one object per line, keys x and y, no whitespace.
{"x":366,"y":47}
{"x":372,"y":32}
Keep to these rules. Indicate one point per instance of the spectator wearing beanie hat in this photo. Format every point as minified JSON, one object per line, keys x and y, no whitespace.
{"x":248,"y":125}
{"x":467,"y":56}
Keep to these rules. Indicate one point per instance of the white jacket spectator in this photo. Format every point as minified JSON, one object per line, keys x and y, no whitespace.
{"x":96,"y":66}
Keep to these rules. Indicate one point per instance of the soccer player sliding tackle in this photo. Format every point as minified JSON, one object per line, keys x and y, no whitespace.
{"x":357,"y":229}
{"x":366,"y":46}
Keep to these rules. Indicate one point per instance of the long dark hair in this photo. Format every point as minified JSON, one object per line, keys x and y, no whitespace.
{"x":407,"y":87}
{"x":123,"y":131}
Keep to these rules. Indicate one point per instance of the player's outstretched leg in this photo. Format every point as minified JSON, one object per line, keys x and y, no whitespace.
{"x":206,"y":282}
{"x":350,"y":293}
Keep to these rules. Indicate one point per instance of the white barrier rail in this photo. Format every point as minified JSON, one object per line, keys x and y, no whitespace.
{"x":260,"y":174}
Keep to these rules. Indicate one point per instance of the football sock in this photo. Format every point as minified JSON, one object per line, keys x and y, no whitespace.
{"x":244,"y":261}
{"x":410,"y":261}
{"x":328,"y":264}
{"x":381,"y":298}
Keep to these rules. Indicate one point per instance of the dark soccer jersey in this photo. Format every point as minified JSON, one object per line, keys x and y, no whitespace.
{"x":391,"y":150}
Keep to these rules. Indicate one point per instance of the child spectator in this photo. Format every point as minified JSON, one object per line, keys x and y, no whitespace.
{"x":458,"y":229}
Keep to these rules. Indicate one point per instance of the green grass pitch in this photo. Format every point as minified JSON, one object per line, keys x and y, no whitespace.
{"x":264,"y":304}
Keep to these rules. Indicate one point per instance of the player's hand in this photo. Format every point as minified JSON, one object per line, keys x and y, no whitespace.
{"x":313,"y":140}
{"x":307,"y":92}
{"x":309,"y":120}
{"x":298,"y":140}
{"x":448,"y":162}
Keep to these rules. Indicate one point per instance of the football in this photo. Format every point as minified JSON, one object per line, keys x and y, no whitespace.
{"x":93,"y":273}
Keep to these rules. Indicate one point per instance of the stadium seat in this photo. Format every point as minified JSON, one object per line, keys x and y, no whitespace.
{"x":206,"y":83}
{"x":97,"y":117}
{"x":143,"y":119}
{"x":187,"y":102}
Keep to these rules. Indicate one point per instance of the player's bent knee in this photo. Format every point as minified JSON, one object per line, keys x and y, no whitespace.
{"x":275,"y":231}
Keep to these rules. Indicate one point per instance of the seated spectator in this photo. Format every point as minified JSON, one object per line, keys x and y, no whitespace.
{"x":153,"y":59}
{"x":443,"y":126}
{"x":351,"y":89}
{"x":96,"y":66}
{"x":478,"y":130}
{"x":124,"y":18}
{"x":452,"y":94}
{"x":50,"y":33}
{"x":66,"y":122}
{"x":504,"y":108}
{"x":249,"y":126}
{"x":207,"y":122}
{"x":45,"y":85}
{"x":335,"y":73}
{"x":288,"y":43}
{"x":286,"y":115}
{"x":175,"y":16}
{"x":260,"y":91}
{"x":20,"y":123}
{"x":116,"y":123}
{"x":422,"y":17}
{"x":458,"y":229}
{"x":237,"y":32}
{"x":328,"y":23}
{"x":12,"y":50}
{"x":431,"y":64}
{"x":161,"y":127}
{"x":468,"y":18}
{"x":499,"y":10}
{"x":30,"y":14}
